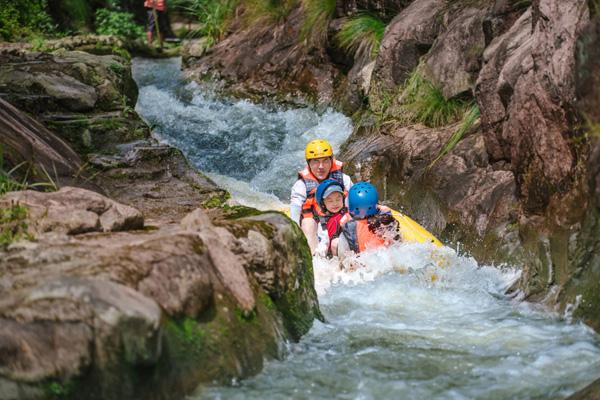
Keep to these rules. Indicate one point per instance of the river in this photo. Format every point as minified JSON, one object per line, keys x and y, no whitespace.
{"x":415,"y":323}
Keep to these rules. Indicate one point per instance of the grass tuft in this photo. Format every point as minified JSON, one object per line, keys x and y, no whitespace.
{"x":364,"y":30}
{"x":214,"y":17}
{"x":269,"y":11}
{"x":468,"y":121}
{"x":423,"y":102}
{"x":317,"y":14}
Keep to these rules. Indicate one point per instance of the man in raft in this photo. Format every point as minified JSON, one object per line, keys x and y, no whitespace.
{"x":320,"y":165}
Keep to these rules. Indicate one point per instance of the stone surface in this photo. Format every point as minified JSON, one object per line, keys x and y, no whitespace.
{"x":526,"y":92}
{"x":407,"y":38}
{"x":454,"y":60}
{"x":73,"y":210}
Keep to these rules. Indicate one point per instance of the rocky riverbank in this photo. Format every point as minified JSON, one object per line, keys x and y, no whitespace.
{"x":134,"y":279}
{"x":476,"y":118}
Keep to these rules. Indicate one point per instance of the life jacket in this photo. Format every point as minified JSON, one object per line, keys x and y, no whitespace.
{"x":358,"y":235}
{"x":310,"y":208}
{"x":160,"y":5}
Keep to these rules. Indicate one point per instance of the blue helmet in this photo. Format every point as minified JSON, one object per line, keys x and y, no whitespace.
{"x":325,"y":188}
{"x":362,"y":200}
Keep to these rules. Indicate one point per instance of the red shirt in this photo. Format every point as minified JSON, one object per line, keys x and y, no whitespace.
{"x":161,"y":5}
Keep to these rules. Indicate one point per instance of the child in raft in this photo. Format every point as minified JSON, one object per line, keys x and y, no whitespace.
{"x":330,"y":200}
{"x":367,"y":225}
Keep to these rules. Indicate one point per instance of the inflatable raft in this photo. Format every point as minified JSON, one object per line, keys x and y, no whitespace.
{"x":410,"y":230}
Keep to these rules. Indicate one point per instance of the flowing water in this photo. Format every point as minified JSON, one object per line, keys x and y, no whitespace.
{"x":414,"y":323}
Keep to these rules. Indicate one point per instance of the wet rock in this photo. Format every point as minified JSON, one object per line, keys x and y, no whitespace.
{"x":97,"y":309}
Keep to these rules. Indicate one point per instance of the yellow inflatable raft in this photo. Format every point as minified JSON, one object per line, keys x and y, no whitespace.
{"x":410,"y":230}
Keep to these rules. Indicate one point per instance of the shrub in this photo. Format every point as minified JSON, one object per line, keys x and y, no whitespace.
{"x":118,"y":23}
{"x":19,"y":19}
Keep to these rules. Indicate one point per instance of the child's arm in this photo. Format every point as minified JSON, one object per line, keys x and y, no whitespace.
{"x":323,"y":238}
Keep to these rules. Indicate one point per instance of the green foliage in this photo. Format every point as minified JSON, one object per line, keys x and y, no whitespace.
{"x":467,"y":123}
{"x":19,"y":19}
{"x":317,"y":14}
{"x":364,"y":30}
{"x":57,"y":390}
{"x":118,"y":23}
{"x":213,"y":16}
{"x":423,"y":102}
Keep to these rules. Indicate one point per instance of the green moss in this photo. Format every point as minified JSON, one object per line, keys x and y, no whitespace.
{"x":117,"y":68}
{"x":189,"y":333}
{"x":13,"y":225}
{"x":215,"y":201}
{"x":59,"y":390}
{"x":298,"y":304}
{"x":237,"y":212}
{"x":265,"y":299}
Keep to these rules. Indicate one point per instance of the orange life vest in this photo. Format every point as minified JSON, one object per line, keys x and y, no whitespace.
{"x":310,"y":208}
{"x":160,"y":5}
{"x":358,"y":235}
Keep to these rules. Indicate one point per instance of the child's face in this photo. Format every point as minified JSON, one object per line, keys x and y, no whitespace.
{"x":334,"y":202}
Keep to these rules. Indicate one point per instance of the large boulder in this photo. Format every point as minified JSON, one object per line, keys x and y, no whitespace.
{"x":84,"y":315}
{"x":85,"y":99}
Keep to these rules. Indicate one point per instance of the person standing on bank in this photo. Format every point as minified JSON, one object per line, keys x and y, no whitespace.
{"x":321,"y":165}
{"x":157,"y":14}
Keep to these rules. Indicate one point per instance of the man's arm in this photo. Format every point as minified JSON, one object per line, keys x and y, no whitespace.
{"x":347,"y":185}
{"x":297,"y":199}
